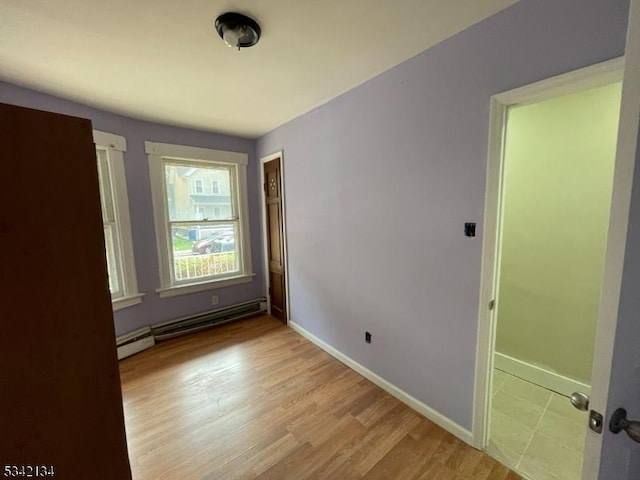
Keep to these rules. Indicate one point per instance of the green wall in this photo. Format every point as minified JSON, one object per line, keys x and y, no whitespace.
{"x":559,"y":161}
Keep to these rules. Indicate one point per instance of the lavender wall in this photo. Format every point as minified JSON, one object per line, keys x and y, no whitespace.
{"x":380,"y":181}
{"x":154,"y":309}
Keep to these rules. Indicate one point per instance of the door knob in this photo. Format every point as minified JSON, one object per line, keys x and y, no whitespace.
{"x":619,"y":422}
{"x":580,"y":401}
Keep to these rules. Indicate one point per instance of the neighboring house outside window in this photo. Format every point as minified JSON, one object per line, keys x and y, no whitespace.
{"x":201,"y":217}
{"x":123,"y":284}
{"x":213,"y":204}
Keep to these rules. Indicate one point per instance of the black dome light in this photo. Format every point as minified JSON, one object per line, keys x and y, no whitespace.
{"x":238,"y":30}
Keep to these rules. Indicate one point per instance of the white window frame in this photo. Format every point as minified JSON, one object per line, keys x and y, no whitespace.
{"x":198,"y":187}
{"x":215,"y":187}
{"x":116,"y":145}
{"x":157,"y":153}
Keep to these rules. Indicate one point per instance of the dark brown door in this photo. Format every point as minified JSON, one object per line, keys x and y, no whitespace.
{"x":60,"y":397}
{"x":275,"y":236}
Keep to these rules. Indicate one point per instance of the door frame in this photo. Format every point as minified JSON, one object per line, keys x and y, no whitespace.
{"x":571,"y":82}
{"x":265,"y":245}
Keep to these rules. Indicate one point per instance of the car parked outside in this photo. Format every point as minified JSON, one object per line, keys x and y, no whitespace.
{"x":223,"y":241}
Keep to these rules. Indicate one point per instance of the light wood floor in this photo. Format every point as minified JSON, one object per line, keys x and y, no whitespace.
{"x":255,"y":400}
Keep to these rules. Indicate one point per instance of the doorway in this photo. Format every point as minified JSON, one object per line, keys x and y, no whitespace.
{"x":274,"y":236}
{"x":556,"y":162}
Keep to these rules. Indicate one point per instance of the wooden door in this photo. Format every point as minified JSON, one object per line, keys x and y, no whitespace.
{"x":60,"y":397}
{"x":275,"y":239}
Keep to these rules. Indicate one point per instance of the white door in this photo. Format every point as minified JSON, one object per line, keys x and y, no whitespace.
{"x":616,"y":368}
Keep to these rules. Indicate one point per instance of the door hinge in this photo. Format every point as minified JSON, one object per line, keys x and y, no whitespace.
{"x":492,"y":304}
{"x":269,"y":289}
{"x":264,"y":186}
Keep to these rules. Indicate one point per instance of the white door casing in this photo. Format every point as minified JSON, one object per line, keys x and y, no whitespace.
{"x":572,"y":82}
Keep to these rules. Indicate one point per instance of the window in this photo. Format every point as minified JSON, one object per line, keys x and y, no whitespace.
{"x":115,"y":216}
{"x":200,"y":211}
{"x":203,"y":237}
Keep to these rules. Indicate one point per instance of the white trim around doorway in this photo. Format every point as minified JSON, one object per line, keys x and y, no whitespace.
{"x":572,"y":82}
{"x":265,"y":253}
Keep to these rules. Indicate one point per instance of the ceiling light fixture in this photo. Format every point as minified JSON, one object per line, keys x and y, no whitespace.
{"x":238,"y":30}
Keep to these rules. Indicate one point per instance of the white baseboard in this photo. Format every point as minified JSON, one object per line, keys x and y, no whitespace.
{"x":538,"y":375}
{"x":437,"y":418}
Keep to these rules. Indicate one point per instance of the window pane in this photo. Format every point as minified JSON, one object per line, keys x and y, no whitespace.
{"x":112,"y":263}
{"x":198,"y":193}
{"x":204,"y":250}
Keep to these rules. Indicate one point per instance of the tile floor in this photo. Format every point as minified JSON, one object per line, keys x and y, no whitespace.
{"x":535,"y":431}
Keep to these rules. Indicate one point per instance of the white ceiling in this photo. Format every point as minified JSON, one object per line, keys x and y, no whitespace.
{"x":163,"y":61}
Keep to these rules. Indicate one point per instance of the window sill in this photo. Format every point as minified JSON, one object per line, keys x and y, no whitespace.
{"x":202,"y":287}
{"x":129,"y":301}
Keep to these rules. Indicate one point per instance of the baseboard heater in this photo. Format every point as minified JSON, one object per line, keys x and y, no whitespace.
{"x":182,"y":326}
{"x":134,"y":342}
{"x":143,"y":338}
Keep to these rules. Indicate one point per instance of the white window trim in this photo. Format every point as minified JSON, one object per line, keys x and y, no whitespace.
{"x":156,"y":152}
{"x":116,"y":146}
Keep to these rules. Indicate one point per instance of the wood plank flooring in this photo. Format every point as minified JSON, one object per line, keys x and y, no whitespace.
{"x":255,"y":400}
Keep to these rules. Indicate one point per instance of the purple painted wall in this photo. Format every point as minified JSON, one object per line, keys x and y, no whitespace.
{"x":380,"y":181}
{"x":154,"y":309}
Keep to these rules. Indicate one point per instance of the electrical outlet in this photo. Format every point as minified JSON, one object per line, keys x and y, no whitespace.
{"x":214,"y":300}
{"x":367,"y":337}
